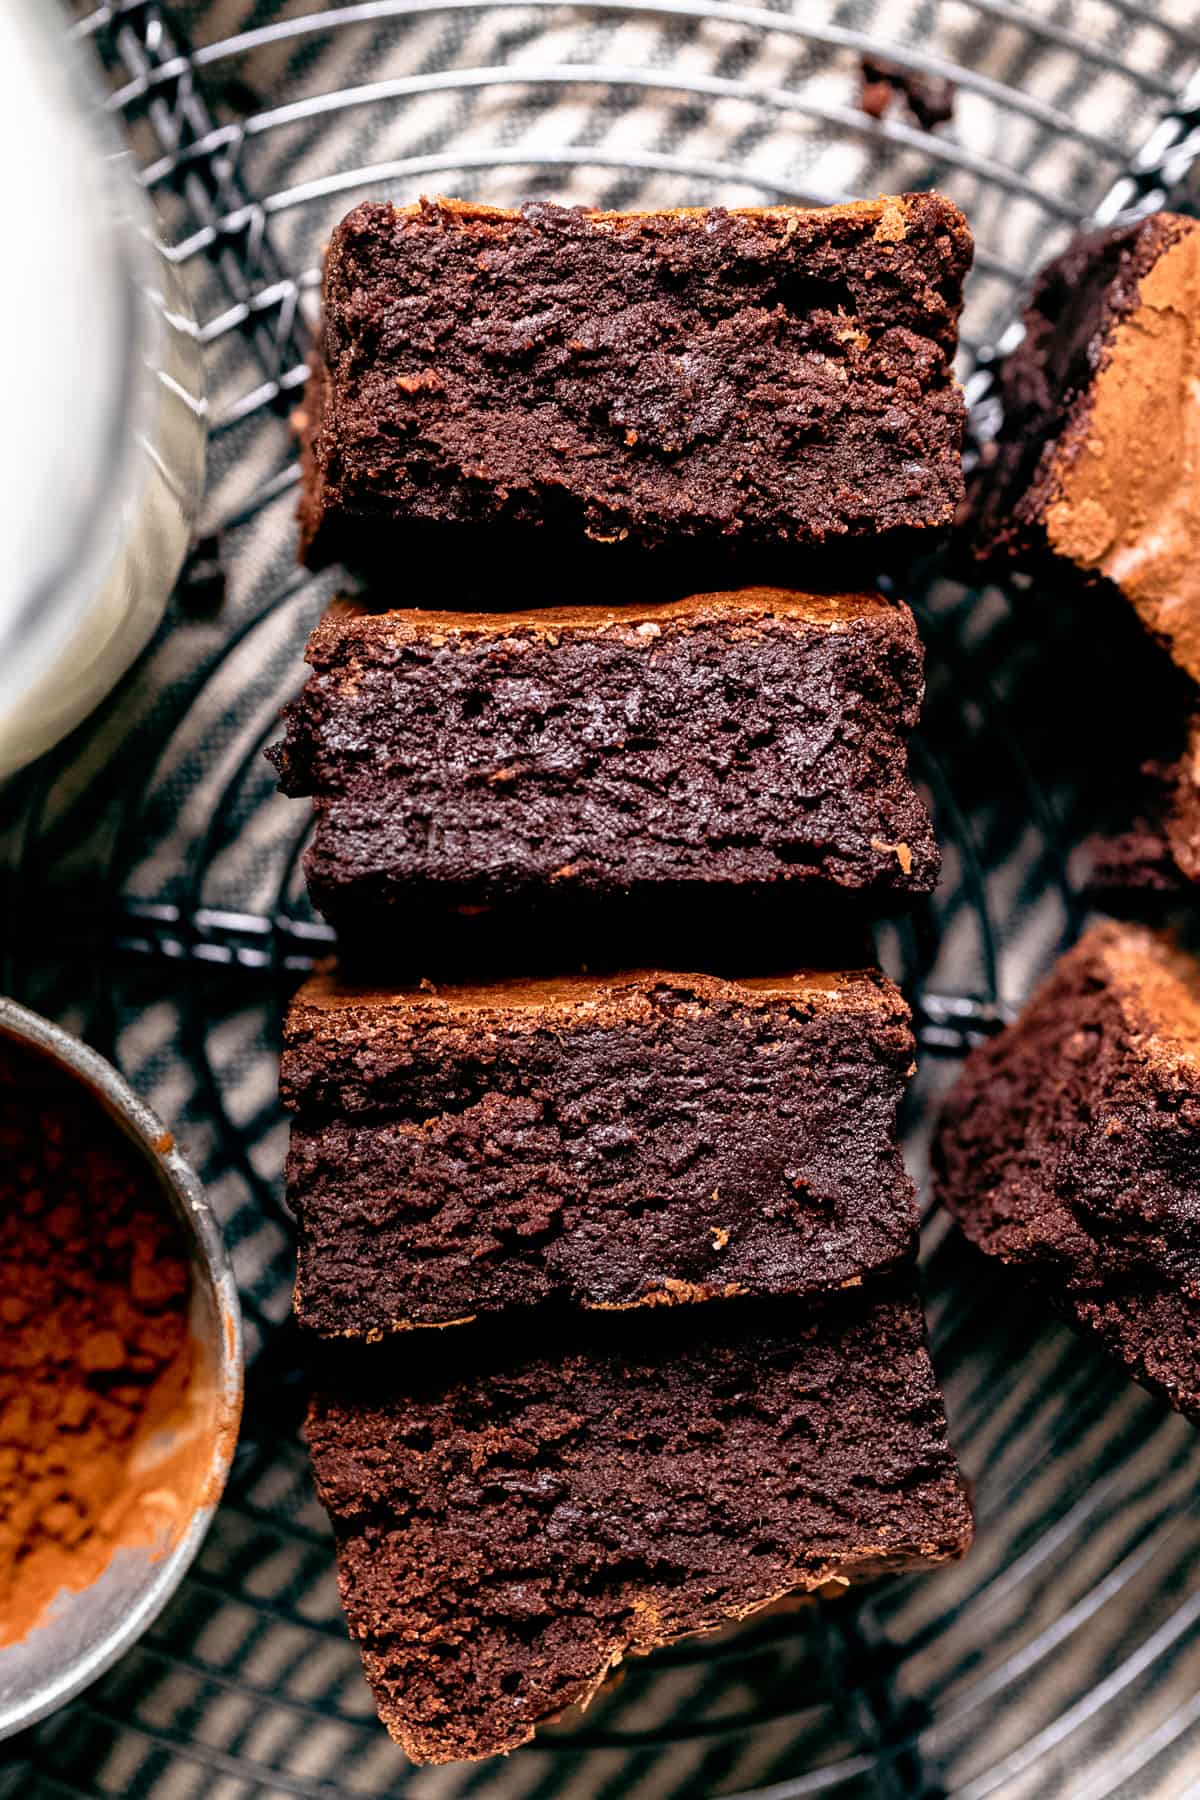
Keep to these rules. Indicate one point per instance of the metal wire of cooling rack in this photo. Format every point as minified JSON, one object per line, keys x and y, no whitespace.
{"x":152,"y":898}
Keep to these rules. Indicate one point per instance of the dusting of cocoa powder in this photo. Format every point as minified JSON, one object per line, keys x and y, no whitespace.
{"x":95,"y":1349}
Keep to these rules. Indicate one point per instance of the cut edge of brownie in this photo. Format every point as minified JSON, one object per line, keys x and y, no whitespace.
{"x":1075,"y":392}
{"x":891,"y":211}
{"x":1067,"y":324}
{"x":358,"y":617}
{"x":349,"y":534}
{"x":818,"y":795}
{"x":1066,"y":1146}
{"x":420,"y":1092}
{"x":1182,"y":809}
{"x":1157,"y":986}
{"x":706,"y":1473}
{"x":598,"y":995}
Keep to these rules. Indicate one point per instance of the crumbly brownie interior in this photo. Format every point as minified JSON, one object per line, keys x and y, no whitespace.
{"x":1096,"y":470}
{"x":1077,"y":299}
{"x":752,"y":738}
{"x":512,"y":1518}
{"x":768,"y":377}
{"x":1071,"y":1146}
{"x":665,"y":1138}
{"x":1182,"y":812}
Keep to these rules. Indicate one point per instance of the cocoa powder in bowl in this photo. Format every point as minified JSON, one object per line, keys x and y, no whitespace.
{"x":96,"y":1355}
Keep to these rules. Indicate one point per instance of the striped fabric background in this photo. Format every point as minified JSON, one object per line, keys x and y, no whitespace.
{"x":152,"y":897}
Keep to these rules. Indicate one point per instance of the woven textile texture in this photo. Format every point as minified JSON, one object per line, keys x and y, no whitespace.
{"x":153,"y":901}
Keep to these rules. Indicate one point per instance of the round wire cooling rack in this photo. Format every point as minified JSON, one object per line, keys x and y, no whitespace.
{"x":152,"y":893}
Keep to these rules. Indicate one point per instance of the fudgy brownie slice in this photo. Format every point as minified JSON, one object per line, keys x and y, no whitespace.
{"x":1158,"y":852}
{"x":621,"y":1142}
{"x":514,"y":1518}
{"x":766,"y":377}
{"x":751,"y":738}
{"x":1096,"y":467}
{"x":1182,"y":810}
{"x":1071,"y":1147}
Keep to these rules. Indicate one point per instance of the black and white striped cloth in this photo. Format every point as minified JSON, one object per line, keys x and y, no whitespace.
{"x":148,"y":862}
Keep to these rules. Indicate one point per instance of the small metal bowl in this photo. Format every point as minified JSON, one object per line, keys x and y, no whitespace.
{"x":85,"y":1632}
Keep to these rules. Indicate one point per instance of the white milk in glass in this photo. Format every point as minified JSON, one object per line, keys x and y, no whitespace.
{"x":103,"y":427}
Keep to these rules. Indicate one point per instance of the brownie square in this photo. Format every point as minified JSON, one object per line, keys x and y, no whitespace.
{"x":1182,"y":810}
{"x":1094,"y":473}
{"x":637,"y":1140}
{"x":1070,"y":1147}
{"x":740,"y":740}
{"x":514,"y":1518}
{"x":1157,"y":854}
{"x":760,"y":379}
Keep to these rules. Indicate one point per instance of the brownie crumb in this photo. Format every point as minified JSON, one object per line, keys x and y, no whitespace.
{"x":701,"y":380}
{"x":929,"y":98}
{"x":464,"y":1150}
{"x":744,"y":740}
{"x":514,"y":1520}
{"x":1091,"y":479}
{"x":1070,"y":1144}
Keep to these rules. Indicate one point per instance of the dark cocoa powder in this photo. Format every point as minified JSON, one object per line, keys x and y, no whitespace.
{"x":95,"y":1351}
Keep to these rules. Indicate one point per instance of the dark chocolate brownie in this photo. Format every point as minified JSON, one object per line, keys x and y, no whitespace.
{"x":1132,"y":868}
{"x":764,"y":378}
{"x":514,"y":1518}
{"x":745,"y":739}
{"x":1095,"y":470}
{"x":1181,"y":813}
{"x":929,"y":98}
{"x":1157,"y":853}
{"x":1071,"y":1147}
{"x":643,"y":1139}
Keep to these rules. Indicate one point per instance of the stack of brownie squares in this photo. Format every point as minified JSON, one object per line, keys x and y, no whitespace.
{"x":606,"y":1246}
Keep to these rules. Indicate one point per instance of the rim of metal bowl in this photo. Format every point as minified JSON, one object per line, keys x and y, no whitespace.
{"x":158,"y":1143}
